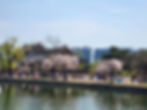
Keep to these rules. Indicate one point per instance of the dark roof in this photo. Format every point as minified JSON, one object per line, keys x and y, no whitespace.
{"x":39,"y":49}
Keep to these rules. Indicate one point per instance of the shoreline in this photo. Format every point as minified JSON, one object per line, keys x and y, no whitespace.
{"x":96,"y":86}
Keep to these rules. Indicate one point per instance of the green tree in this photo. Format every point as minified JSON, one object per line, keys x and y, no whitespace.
{"x":138,"y":63}
{"x":115,"y":52}
{"x":10,"y":55}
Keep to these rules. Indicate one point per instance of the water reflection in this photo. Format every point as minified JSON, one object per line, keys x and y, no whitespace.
{"x":117,"y":101}
{"x":23,"y":97}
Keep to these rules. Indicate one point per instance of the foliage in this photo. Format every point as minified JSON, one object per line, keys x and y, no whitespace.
{"x":78,"y":54}
{"x":127,"y":73}
{"x":93,"y":66}
{"x":10,"y":55}
{"x":115,"y":52}
{"x":83,"y":67}
{"x":138,"y":62}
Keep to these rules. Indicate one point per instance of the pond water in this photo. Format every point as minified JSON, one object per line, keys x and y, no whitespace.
{"x":34,"y":97}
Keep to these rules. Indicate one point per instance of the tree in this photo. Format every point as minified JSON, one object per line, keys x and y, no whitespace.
{"x":10,"y":55}
{"x":138,"y":63}
{"x":117,"y":53}
{"x":109,"y":68}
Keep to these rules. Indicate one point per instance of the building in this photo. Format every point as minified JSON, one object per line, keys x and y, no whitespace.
{"x":37,"y":56}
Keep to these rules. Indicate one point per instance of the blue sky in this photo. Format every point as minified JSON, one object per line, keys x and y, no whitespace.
{"x":94,"y":23}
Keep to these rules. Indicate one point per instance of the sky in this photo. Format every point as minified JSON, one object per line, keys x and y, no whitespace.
{"x":76,"y":23}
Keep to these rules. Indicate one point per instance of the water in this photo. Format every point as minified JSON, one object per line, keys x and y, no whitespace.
{"x":23,"y":97}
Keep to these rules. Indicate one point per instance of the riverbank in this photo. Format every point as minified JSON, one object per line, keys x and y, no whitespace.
{"x":105,"y":86}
